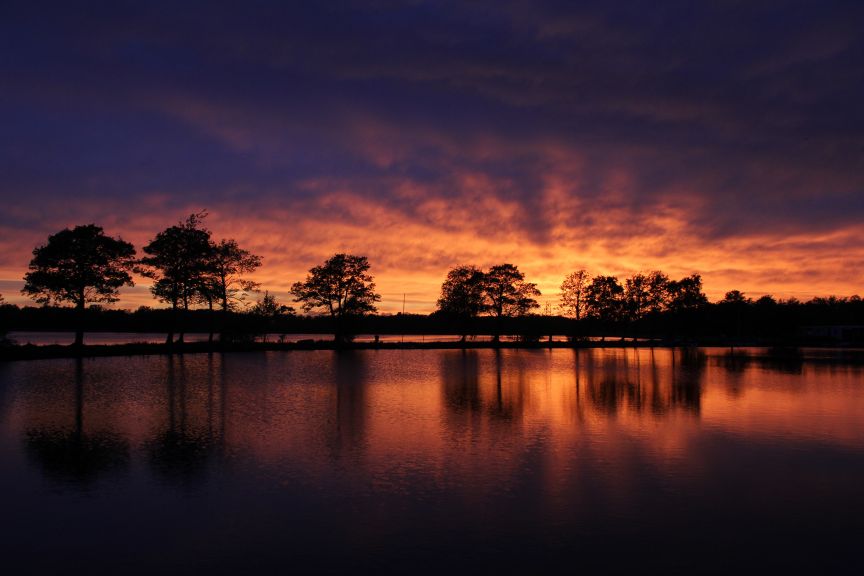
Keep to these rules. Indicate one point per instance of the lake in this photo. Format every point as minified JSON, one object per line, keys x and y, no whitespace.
{"x":432,"y":461}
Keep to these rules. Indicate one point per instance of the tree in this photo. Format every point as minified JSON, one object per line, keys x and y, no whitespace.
{"x":573,"y":293}
{"x":686,"y":294}
{"x":342,"y":287}
{"x":658,"y":291}
{"x":179,"y":260}
{"x":735,"y":297}
{"x":736,"y":302}
{"x":604,"y":298}
{"x":268,"y":310}
{"x":79,"y":266}
{"x":462,"y":296}
{"x":230,"y":263}
{"x":224,"y":282}
{"x":507,"y":293}
{"x":636,"y":295}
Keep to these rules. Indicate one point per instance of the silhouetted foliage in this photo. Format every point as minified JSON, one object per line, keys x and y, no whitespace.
{"x":735,"y":297}
{"x":229,"y":263}
{"x":573,"y":293}
{"x":686,"y":294}
{"x":462,"y":296}
{"x":341,"y":287}
{"x":636,"y":295}
{"x":268,"y":311}
{"x":178,"y":259}
{"x":223,"y":281}
{"x":79,"y":266}
{"x":507,"y":293}
{"x":645,"y":294}
{"x":604,"y":299}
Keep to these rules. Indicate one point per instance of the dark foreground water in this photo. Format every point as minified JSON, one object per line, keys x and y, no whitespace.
{"x":482,"y":462}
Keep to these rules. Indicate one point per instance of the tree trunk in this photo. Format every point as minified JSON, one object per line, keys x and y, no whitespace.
{"x":496,"y":337}
{"x":338,"y":335}
{"x":212,"y":322}
{"x":182,"y":329}
{"x":169,"y":339}
{"x":79,"y":329}
{"x":224,"y":315}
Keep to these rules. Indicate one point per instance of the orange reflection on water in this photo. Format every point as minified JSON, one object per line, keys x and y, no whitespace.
{"x":478,"y":419}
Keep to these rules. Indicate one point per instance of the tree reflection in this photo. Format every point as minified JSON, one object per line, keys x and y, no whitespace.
{"x":782,"y":360}
{"x":350,"y":383}
{"x":460,"y":375}
{"x":507,"y":385}
{"x":496,"y":387}
{"x":608,"y":385}
{"x":619,"y":380}
{"x":71,"y":454}
{"x":687,"y":380}
{"x":182,"y":452}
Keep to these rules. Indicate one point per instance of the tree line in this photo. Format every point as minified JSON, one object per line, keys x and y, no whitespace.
{"x":190,"y":270}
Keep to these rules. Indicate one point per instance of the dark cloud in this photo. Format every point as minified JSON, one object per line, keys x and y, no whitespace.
{"x":732,"y":118}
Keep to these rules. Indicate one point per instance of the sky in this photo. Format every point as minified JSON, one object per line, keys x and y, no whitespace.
{"x":721,"y":138}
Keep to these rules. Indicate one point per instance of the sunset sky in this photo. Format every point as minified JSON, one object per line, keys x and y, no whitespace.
{"x":722,"y":138}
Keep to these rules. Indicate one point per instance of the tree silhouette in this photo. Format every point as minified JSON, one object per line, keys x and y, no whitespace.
{"x":735,"y":302}
{"x":342,"y":287}
{"x":223,"y":282}
{"x":658,"y":291}
{"x":686,"y":294}
{"x":462,"y":296}
{"x":735,"y":297}
{"x":268,"y":311}
{"x":178,"y":259}
{"x":644,"y":293}
{"x":636,"y":295}
{"x":79,"y":266}
{"x":604,"y":298}
{"x":507,"y":293}
{"x":230,"y":263}
{"x":573,"y":293}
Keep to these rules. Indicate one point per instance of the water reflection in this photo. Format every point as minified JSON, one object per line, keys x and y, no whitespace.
{"x":65,"y":450}
{"x":194,"y":431}
{"x":350,"y":382}
{"x":475,"y":458}
{"x":504,"y":384}
{"x":460,"y":379}
{"x":788,"y":361}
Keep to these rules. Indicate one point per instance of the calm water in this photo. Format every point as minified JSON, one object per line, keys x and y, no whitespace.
{"x":425,"y":461}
